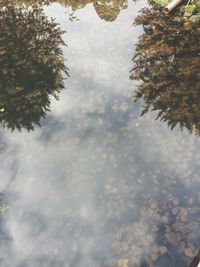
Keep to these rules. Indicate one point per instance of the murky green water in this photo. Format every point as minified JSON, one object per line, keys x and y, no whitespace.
{"x":91,"y":183}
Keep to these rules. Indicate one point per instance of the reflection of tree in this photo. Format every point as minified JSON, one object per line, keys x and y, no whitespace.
{"x":109,"y":10}
{"x":106,"y":9}
{"x":167,"y":64}
{"x":32,"y":66}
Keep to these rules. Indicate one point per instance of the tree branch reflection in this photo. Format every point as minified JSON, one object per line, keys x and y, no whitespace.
{"x":32,"y":65}
{"x":106,"y":9}
{"x":166,"y":64}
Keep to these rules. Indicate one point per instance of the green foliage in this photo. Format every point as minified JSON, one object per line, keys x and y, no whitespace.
{"x":161,"y":2}
{"x":193,"y":8}
{"x":190,"y":11}
{"x":32,"y":65}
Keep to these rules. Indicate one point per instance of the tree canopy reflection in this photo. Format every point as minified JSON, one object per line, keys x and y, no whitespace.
{"x":32,"y":65}
{"x":167,"y":65}
{"x":109,"y":10}
{"x":106,"y":9}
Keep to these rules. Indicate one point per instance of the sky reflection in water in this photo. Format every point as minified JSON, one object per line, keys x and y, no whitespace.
{"x":98,"y":185}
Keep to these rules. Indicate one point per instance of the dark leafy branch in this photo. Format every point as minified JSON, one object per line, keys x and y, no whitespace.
{"x":32,"y":65}
{"x":167,"y":65}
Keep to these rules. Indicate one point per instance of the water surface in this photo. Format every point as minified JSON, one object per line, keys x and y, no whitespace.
{"x":97,"y":185}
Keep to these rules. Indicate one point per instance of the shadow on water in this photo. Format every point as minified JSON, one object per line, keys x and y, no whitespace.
{"x":32,"y":65}
{"x":166,"y":65}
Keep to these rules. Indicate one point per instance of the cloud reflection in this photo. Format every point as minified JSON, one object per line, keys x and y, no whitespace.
{"x":93,"y":186}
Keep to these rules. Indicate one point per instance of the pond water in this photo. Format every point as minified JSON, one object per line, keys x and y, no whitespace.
{"x":96,"y":184}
